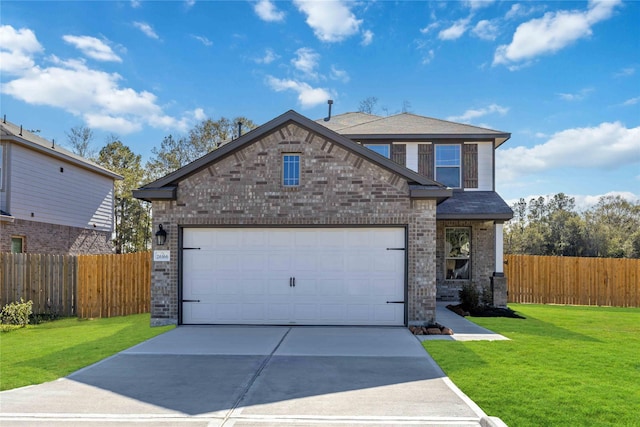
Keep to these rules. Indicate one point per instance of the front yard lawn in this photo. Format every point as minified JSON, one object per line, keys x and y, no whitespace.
{"x":564,"y":366}
{"x":45,"y":352}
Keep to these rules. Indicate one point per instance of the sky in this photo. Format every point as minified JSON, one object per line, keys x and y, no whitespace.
{"x":562,"y":77}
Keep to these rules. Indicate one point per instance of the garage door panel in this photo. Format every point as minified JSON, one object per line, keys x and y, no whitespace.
{"x":342,"y":276}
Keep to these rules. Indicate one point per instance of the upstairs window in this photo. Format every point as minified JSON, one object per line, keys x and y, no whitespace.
{"x":448,"y":165}
{"x":382,"y":149}
{"x":291,"y":170}
{"x":457,"y":249}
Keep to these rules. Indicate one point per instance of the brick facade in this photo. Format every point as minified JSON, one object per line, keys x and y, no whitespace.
{"x":482,"y":258}
{"x":43,"y":238}
{"x":337,"y":188}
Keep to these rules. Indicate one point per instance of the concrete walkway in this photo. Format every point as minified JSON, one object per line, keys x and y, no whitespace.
{"x":463,"y":329}
{"x":254,"y":376}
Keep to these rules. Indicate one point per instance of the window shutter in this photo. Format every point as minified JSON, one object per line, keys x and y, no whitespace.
{"x":470,"y":159}
{"x":399,"y":153}
{"x":425,"y":160}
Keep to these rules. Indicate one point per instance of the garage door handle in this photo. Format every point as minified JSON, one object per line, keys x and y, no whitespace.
{"x":290,"y":281}
{"x":190,"y":300}
{"x":294,"y":282}
{"x":395,"y":302}
{"x":395,"y":249}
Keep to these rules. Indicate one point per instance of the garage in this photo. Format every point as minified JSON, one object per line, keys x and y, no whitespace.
{"x":294,"y":276}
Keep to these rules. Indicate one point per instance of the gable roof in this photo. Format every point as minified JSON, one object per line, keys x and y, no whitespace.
{"x":14,"y":133}
{"x":405,"y":126}
{"x":165,"y":187}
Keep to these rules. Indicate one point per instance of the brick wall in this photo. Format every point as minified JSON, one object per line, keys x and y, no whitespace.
{"x":337,"y":188}
{"x":482,"y":258}
{"x":42,"y":238}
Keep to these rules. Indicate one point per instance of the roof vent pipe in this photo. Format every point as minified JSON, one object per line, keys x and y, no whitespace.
{"x":4,"y":119}
{"x":53,"y":144}
{"x":330,"y":102}
{"x":20,"y":130}
{"x":239,"y":129}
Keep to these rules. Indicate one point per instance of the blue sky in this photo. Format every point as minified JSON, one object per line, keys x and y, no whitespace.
{"x":562,"y":77}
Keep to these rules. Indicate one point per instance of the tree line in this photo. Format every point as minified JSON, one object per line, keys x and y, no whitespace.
{"x":132,"y":217}
{"x":553,"y":226}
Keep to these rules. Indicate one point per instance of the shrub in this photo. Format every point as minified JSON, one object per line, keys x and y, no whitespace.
{"x":17,"y":313}
{"x":469,"y":297}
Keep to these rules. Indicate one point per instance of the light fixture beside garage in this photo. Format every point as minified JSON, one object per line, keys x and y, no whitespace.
{"x":161,"y":236}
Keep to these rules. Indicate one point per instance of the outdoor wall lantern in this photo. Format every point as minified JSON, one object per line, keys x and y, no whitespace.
{"x":161,"y":236}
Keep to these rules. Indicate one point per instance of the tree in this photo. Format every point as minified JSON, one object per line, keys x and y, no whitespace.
{"x":368,"y":105}
{"x":551,"y":226}
{"x":205,"y":137}
{"x":132,"y":216}
{"x":79,"y":139}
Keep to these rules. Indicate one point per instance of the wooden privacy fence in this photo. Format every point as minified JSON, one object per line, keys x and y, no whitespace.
{"x":47,"y":280}
{"x":85,"y":285}
{"x":573,"y":280}
{"x":114,"y":285}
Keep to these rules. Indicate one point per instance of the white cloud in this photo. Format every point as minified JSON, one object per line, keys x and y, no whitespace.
{"x":582,"y":94}
{"x":367,"y":38}
{"x":268,"y":58}
{"x":307,"y":95}
{"x":631,"y":101}
{"x":331,"y":21}
{"x":17,"y":48}
{"x":518,"y":10}
{"x":189,"y":3}
{"x":428,"y":57}
{"x":553,"y":32}
{"x":146,"y":29}
{"x":455,"y":31}
{"x":136,"y":4}
{"x":341,"y":75}
{"x":606,"y":146}
{"x":198,"y":114}
{"x":267,"y":11}
{"x":92,"y":94}
{"x":306,"y":61}
{"x":429,"y":27}
{"x":202,"y":39}
{"x":478,"y":4}
{"x":625,"y":72}
{"x":92,"y":47}
{"x":472,"y":114}
{"x":486,"y":30}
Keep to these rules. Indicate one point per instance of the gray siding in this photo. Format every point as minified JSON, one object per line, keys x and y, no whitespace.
{"x":75,"y":197}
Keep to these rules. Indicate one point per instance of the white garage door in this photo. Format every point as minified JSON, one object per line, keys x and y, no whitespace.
{"x":304,"y":276}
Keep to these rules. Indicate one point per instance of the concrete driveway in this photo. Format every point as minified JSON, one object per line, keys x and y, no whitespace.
{"x":253,"y":376}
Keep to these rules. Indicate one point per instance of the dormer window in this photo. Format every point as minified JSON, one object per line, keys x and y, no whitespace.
{"x":448,"y":165}
{"x":382,"y":149}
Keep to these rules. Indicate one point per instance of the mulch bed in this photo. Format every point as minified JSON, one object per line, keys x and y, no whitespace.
{"x":461,"y":310}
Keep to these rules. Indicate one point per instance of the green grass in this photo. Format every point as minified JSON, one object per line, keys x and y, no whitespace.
{"x":51,"y":350}
{"x":565,"y":366}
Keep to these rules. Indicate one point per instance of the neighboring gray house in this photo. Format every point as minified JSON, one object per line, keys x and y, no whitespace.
{"x":359,"y":220}
{"x":51,"y":200}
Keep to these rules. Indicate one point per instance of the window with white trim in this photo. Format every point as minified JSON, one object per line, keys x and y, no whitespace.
{"x":448,"y":164}
{"x":291,"y":170}
{"x":457,"y":252}
{"x":382,"y":149}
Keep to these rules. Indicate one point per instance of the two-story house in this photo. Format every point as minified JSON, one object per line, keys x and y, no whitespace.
{"x":51,"y":200}
{"x":355,"y":220}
